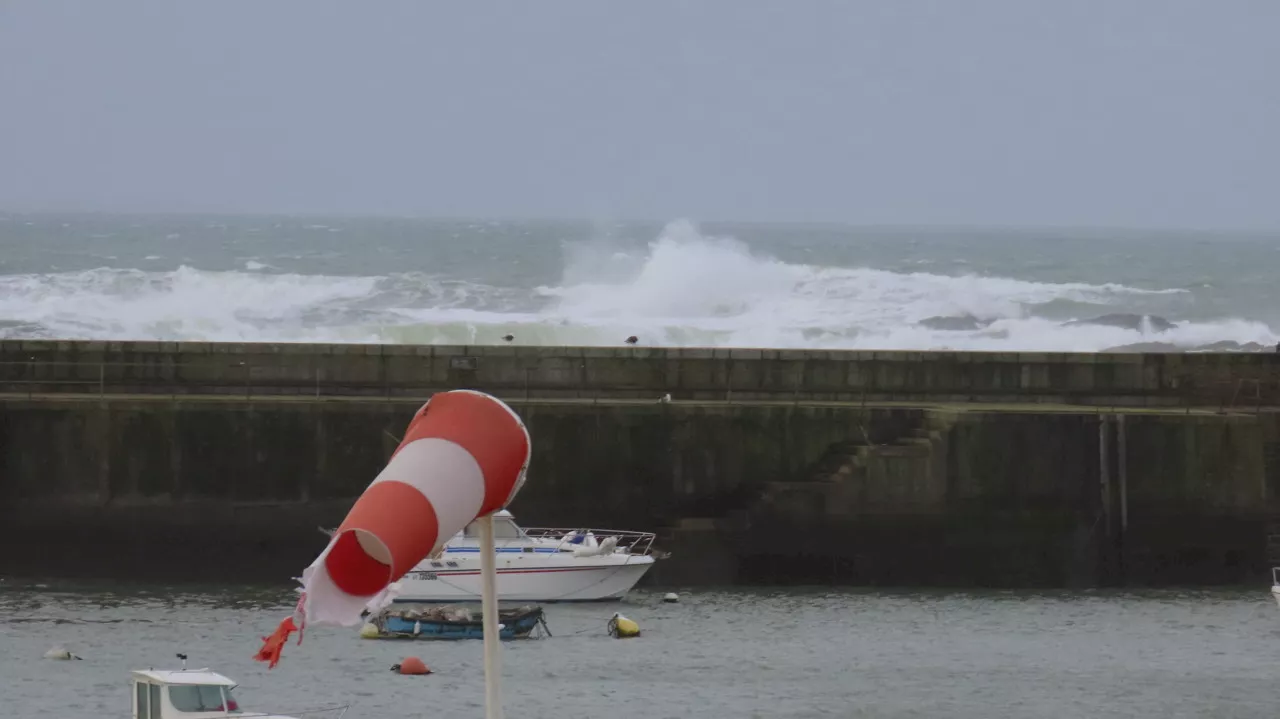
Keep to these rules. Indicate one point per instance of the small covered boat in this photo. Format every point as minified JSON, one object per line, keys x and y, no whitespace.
{"x":1275,"y":584}
{"x":403,"y":620}
{"x":198,"y":693}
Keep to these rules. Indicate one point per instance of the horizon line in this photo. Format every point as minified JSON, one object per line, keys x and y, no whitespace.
{"x":635,"y":220}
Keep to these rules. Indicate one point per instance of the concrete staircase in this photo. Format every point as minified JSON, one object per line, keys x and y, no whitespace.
{"x":851,"y":477}
{"x":855,"y":475}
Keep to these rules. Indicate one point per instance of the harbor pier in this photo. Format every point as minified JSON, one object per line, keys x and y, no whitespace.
{"x":222,"y":462}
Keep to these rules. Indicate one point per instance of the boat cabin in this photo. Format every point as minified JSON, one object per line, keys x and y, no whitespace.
{"x":190,"y":694}
{"x":504,"y":527}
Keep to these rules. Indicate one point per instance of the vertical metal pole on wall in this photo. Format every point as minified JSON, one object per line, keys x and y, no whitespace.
{"x":102,"y":378}
{"x":1122,"y":459}
{"x":489,"y":610}
{"x":1104,"y":469}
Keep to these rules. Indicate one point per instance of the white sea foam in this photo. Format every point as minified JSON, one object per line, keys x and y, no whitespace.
{"x":684,"y":289}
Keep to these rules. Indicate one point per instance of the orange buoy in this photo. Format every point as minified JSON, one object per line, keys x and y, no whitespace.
{"x":411,"y":665}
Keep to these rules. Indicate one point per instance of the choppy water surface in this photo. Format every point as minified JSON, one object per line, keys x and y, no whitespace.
{"x":739,"y":653}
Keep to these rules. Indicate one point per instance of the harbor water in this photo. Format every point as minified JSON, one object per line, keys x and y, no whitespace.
{"x":734,"y":653}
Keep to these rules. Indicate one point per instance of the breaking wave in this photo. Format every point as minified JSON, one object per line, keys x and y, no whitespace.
{"x":684,"y":289}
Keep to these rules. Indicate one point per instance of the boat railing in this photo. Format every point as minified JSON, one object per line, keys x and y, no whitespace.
{"x":333,"y":712}
{"x":636,"y":543}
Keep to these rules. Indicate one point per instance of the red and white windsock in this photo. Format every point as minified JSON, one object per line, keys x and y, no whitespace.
{"x":463,"y":456}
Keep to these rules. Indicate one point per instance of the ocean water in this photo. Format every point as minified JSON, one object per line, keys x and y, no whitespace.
{"x":730,"y":654}
{"x":681,"y":283}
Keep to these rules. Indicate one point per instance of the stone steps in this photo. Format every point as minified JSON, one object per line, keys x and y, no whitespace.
{"x":844,"y":467}
{"x":848,"y":460}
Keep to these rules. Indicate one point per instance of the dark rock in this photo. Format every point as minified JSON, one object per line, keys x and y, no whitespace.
{"x":1144,"y":347}
{"x":1127,"y":321}
{"x":1230,"y":346}
{"x":1223,"y":346}
{"x":962,"y":323}
{"x":18,"y":329}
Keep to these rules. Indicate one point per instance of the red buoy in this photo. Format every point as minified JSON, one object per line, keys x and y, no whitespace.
{"x":412,"y":665}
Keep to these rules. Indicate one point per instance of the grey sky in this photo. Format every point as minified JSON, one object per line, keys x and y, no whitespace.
{"x":1022,"y":112}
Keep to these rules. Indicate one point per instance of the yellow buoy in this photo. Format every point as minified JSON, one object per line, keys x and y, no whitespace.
{"x":620,"y":627}
{"x":368,"y":631}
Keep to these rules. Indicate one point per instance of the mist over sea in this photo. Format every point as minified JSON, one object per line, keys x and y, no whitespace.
{"x":682,"y":283}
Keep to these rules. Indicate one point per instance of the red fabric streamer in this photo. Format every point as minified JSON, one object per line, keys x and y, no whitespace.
{"x":274,"y":644}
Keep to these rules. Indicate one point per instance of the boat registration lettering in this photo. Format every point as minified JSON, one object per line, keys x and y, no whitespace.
{"x":423,"y":575}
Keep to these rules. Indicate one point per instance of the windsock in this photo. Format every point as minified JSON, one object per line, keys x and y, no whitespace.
{"x":463,"y":456}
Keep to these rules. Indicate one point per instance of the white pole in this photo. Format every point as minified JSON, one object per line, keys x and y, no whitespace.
{"x":489,"y":608}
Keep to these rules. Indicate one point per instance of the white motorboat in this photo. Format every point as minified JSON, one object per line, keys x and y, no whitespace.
{"x":1275,"y":584}
{"x":200,"y":694}
{"x":533,"y":565}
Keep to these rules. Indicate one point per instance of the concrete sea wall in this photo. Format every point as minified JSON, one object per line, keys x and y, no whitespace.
{"x":1043,"y":499}
{"x":154,"y":463}
{"x":219,"y":482}
{"x":638,"y":372}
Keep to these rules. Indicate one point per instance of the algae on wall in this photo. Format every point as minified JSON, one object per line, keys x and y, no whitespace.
{"x":1007,"y":460}
{"x":1199,"y":463}
{"x":978,"y":489}
{"x":652,"y":465}
{"x":635,"y":462}
{"x":636,"y":465}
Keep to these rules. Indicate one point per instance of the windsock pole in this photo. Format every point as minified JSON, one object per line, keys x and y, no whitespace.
{"x":489,"y":610}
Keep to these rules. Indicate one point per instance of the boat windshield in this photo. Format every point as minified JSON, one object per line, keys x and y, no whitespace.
{"x":202,"y":698}
{"x":502,"y":529}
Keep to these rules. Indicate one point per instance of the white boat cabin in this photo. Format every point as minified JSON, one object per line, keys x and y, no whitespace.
{"x":511,"y":537}
{"x":504,"y":527}
{"x":186,"y":693}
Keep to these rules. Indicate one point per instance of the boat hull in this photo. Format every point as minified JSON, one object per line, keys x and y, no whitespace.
{"x":554,"y":579}
{"x":1275,"y":594}
{"x":399,"y":623}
